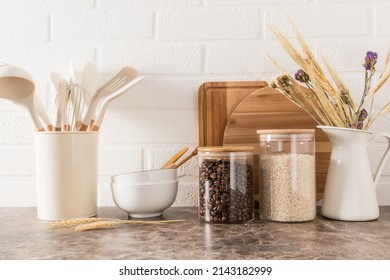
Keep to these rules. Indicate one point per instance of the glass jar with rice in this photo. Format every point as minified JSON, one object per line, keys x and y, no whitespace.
{"x":287,"y":175}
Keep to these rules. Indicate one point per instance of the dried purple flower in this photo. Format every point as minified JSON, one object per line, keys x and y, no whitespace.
{"x":359,"y":125}
{"x":283,"y":81}
{"x":370,"y":60}
{"x":302,"y":76}
{"x":363,"y":115}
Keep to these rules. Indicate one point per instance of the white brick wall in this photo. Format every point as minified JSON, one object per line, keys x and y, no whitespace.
{"x":209,"y":24}
{"x":382,"y":27}
{"x":102,"y":25}
{"x":154,"y":58}
{"x":324,"y":20}
{"x":178,"y":45}
{"x":24,"y":27}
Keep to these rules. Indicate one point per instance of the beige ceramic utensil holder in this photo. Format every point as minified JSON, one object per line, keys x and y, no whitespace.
{"x":66,"y":174}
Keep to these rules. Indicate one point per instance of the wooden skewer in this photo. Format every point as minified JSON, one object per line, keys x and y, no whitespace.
{"x":193,"y":153}
{"x":174,"y":158}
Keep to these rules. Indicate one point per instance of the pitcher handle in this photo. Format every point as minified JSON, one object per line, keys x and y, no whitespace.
{"x":384,"y":157}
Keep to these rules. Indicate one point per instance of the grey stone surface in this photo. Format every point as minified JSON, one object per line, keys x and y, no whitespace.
{"x":23,"y":236}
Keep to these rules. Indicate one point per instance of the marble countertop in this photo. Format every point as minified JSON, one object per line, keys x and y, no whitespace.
{"x":23,"y":236}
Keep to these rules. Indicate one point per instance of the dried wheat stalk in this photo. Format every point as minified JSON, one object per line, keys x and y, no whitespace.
{"x":73,"y":222}
{"x":112,"y":223}
{"x":100,"y":223}
{"x":326,"y":100}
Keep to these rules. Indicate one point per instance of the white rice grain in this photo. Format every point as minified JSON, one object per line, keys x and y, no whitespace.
{"x":287,"y":187}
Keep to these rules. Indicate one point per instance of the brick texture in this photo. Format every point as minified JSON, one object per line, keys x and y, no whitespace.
{"x":323,"y":21}
{"x":24,"y":27}
{"x":177,"y":45}
{"x":147,"y":3}
{"x":51,"y":5}
{"x":209,"y":24}
{"x":154,"y":58}
{"x":102,"y":25}
{"x":382,"y":24}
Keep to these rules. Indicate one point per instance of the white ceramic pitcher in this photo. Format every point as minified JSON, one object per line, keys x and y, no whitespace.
{"x":350,"y":190}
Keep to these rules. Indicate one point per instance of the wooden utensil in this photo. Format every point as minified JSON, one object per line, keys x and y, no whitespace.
{"x":216,"y":102}
{"x":42,"y":114}
{"x":90,"y":79}
{"x":17,"y":86}
{"x":269,"y":109}
{"x":193,"y":153}
{"x":61,"y":86}
{"x":122,"y":77}
{"x":112,"y":93}
{"x":174,"y":158}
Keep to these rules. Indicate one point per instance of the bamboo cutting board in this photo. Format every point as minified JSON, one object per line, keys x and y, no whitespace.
{"x":216,"y":102}
{"x":269,"y":109}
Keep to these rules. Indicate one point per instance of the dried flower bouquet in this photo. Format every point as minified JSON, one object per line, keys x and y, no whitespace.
{"x":328,"y":100}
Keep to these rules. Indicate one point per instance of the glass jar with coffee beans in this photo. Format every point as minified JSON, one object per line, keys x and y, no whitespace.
{"x":225,"y":184}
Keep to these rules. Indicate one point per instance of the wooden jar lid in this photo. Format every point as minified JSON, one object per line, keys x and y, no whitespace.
{"x":225,"y":149}
{"x":284,"y":131}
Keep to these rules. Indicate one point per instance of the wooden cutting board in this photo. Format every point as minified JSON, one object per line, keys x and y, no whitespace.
{"x":269,"y":109}
{"x":216,"y":102}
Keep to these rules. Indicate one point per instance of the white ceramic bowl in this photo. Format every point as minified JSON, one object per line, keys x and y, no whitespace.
{"x":144,"y":200}
{"x":148,"y":176}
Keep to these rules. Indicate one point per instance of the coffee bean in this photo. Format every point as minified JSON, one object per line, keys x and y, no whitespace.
{"x":225,"y":191}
